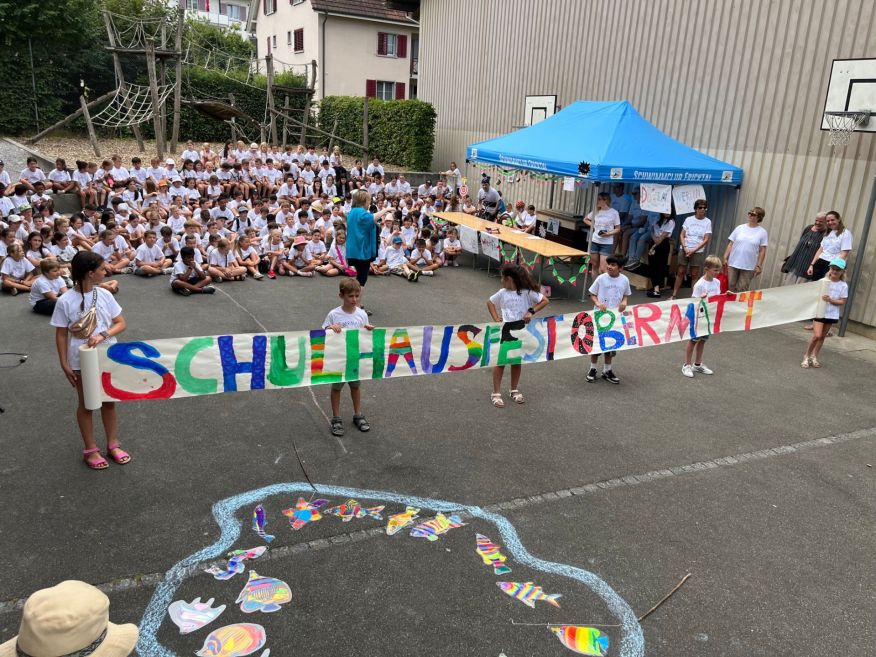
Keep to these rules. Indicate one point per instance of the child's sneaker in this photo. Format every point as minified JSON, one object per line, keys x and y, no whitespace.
{"x":208,"y":289}
{"x":127,"y":270}
{"x":167,"y":270}
{"x":591,"y":375}
{"x":610,"y":377}
{"x":217,"y":279}
{"x":702,"y":369}
{"x":13,"y":291}
{"x":416,"y":276}
{"x":291,"y":273}
{"x":427,"y":273}
{"x":687,"y":370}
{"x":271,"y":274}
{"x":258,"y":276}
{"x":455,"y":264}
{"x":306,"y":274}
{"x":184,"y":292}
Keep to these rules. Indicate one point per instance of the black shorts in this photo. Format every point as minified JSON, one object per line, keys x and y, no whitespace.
{"x":362,"y":268}
{"x":822,"y":320}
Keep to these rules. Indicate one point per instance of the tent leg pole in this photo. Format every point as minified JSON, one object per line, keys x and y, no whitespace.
{"x":859,"y":261}
{"x":589,"y":242}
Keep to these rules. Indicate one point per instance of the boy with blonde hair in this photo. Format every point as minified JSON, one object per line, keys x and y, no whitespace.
{"x":707,"y":286}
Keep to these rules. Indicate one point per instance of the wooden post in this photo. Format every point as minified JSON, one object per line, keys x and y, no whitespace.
{"x":162,"y":80}
{"x":365,"y":128}
{"x":88,"y":124}
{"x":269,"y":67}
{"x":285,"y":122}
{"x":120,"y":77}
{"x":177,"y":89}
{"x":153,"y":88}
{"x":233,"y":119}
{"x":307,"y":100}
{"x":68,"y":119}
{"x":332,"y":136}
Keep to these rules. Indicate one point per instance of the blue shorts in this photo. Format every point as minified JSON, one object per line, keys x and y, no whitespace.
{"x":601,"y":249}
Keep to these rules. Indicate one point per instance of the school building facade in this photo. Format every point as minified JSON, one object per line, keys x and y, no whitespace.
{"x":742,"y":80}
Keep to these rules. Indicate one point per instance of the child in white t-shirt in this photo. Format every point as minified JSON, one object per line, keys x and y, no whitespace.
{"x":707,"y":286}
{"x":299,"y":262}
{"x":422,"y":258}
{"x":610,"y":291}
{"x":518,"y":300}
{"x":348,"y":315}
{"x":452,"y":247}
{"x":46,"y":288}
{"x":16,"y":272}
{"x":188,"y":276}
{"x":223,"y":265}
{"x":149,"y":260}
{"x":835,"y":299}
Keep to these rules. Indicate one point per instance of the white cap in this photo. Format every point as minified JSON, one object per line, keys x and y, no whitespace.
{"x":170,"y":160}
{"x":122,"y":207}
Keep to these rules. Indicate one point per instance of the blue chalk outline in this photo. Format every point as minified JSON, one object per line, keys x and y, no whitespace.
{"x":632,"y":642}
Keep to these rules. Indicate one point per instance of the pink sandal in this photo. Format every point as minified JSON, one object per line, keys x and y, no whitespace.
{"x":99,"y":464}
{"x":117,"y":454}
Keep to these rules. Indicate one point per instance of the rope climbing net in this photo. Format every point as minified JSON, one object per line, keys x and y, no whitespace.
{"x":131,"y":105}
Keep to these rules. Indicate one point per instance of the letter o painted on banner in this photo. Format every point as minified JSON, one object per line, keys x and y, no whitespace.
{"x":583,"y":345}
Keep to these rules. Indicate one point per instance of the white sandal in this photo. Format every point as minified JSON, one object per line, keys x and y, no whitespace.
{"x":497,"y":400}
{"x":517,"y":396}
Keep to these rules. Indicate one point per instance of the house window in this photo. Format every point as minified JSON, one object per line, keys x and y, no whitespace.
{"x":392,"y":45}
{"x":234,"y":12}
{"x":299,"y":40}
{"x":289,"y":38}
{"x":297,"y":2}
{"x":198,"y":5}
{"x":270,"y":7}
{"x":274,"y":41}
{"x":385,"y":90}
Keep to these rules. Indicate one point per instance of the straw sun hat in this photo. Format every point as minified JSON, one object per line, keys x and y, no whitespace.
{"x":70,"y":619}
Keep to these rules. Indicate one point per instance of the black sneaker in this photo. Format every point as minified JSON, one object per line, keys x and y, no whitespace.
{"x":610,"y":377}
{"x":653,"y":294}
{"x":591,"y":375}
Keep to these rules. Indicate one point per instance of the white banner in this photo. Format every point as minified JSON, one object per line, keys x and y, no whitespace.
{"x":685,"y":196}
{"x":655,"y":198}
{"x":568,"y":184}
{"x":490,"y":246}
{"x":468,"y":238}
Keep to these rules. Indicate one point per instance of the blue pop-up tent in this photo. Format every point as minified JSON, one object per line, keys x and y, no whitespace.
{"x":603,"y":141}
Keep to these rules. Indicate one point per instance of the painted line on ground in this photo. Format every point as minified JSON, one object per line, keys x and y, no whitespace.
{"x":153,"y":579}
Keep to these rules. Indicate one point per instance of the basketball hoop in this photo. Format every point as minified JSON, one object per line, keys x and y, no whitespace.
{"x":843,"y":124}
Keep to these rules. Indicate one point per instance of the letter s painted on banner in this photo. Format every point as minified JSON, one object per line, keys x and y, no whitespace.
{"x":123,"y":353}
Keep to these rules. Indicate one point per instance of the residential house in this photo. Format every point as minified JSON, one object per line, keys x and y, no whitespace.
{"x":361,"y":47}
{"x":233,"y":14}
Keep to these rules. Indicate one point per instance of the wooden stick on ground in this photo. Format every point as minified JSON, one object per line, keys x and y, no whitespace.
{"x":664,"y":598}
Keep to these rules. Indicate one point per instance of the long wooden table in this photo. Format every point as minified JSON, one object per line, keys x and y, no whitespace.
{"x":528,"y":242}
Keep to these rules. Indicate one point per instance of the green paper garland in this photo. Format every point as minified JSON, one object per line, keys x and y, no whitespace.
{"x":571,"y":279}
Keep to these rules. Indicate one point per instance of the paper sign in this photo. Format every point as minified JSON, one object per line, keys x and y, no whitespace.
{"x":468,"y":238}
{"x":490,"y":246}
{"x":553,"y":226}
{"x":655,"y":198}
{"x":463,"y":191}
{"x":568,"y":184}
{"x":685,"y":196}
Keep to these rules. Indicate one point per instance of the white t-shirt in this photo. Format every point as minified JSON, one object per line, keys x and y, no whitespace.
{"x":514,"y":304}
{"x":704,"y":288}
{"x":611,"y":290}
{"x":832,"y":244}
{"x":16,"y":268}
{"x":300,"y":258}
{"x":219,"y":259}
{"x":68,"y":310}
{"x":106,"y":251}
{"x":525,"y":220}
{"x":32,"y":176}
{"x":395,"y":257}
{"x":606,"y":220}
{"x":451,"y":244}
{"x":42,"y":285}
{"x":421,"y":259}
{"x":666,"y":229}
{"x":837,"y":290}
{"x":59,"y":175}
{"x":695,"y":231}
{"x":746,"y":245}
{"x":356,"y":319}
{"x":149,"y":254}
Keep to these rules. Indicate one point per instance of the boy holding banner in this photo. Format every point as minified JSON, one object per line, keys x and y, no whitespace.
{"x":610,"y":291}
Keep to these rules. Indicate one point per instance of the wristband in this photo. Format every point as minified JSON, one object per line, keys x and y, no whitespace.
{"x":531,"y":311}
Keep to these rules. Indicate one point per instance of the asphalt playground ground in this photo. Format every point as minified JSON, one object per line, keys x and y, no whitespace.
{"x":757,"y":481}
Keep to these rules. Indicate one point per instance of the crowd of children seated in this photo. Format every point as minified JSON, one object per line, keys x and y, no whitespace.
{"x":208,"y":217}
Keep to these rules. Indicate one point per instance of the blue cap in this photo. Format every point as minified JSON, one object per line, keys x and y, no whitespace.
{"x":839,"y":263}
{"x":396,"y":240}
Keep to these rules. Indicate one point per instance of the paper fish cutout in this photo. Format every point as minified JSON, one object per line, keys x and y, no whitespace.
{"x":304,"y":512}
{"x":235,"y":563}
{"x":489,"y":552}
{"x":264,"y":594}
{"x":259,"y":522}
{"x":440,"y":524}
{"x":583,"y":640}
{"x":352,"y":509}
{"x":236,"y":640}
{"x":401,"y":520}
{"x":191,"y":616}
{"x":528,"y":593}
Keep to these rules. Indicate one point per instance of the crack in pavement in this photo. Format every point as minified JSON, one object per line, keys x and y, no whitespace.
{"x":153,"y":579}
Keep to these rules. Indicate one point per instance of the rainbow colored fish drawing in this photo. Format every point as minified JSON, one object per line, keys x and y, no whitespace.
{"x":235,"y":563}
{"x":352,"y":509}
{"x":528,"y":593}
{"x":440,"y":524}
{"x":264,"y":594}
{"x":489,"y":552}
{"x":304,"y":512}
{"x":401,"y":520}
{"x":583,"y":640}
{"x":191,"y":616}
{"x":236,"y":640}
{"x":259,"y":522}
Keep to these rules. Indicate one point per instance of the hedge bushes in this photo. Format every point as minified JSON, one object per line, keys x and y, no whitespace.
{"x":401,"y":132}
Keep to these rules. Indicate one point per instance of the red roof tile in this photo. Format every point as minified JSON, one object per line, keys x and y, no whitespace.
{"x":365,"y":8}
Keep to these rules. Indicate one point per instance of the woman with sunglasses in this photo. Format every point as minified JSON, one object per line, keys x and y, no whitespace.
{"x":745,"y":252}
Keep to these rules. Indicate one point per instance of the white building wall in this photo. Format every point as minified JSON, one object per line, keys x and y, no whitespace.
{"x":742,"y":80}
{"x":288,"y":18}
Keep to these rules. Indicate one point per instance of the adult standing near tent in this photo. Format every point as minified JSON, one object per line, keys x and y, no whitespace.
{"x":488,"y":200}
{"x":362,"y":228}
{"x":604,"y":225}
{"x":745,"y":252}
{"x":796,"y":264}
{"x":658,"y":256}
{"x":696,"y":232}
{"x":836,"y":244}
{"x":453,"y":176}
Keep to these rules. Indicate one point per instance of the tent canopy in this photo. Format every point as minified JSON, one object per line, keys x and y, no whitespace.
{"x":615,"y":141}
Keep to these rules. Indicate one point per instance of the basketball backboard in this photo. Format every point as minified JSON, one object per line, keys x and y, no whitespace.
{"x":538,"y":108}
{"x":852,"y":88}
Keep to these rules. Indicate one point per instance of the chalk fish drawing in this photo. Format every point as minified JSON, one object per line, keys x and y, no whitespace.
{"x":630,"y":640}
{"x":528,"y":593}
{"x":489,"y":552}
{"x":440,"y":524}
{"x":583,"y":640}
{"x":236,"y":640}
{"x":264,"y":594}
{"x":304,"y":512}
{"x":401,"y":520}
{"x":352,"y":509}
{"x":191,"y":616}
{"x":258,"y":523}
{"x":235,"y":563}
